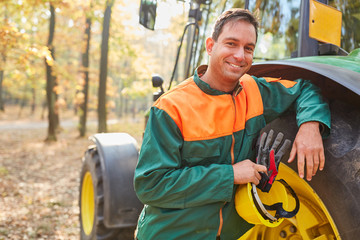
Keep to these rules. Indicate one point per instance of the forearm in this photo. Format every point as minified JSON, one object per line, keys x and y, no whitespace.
{"x":310,"y":107}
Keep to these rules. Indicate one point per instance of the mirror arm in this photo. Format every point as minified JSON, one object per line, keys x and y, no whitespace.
{"x":178,"y":52}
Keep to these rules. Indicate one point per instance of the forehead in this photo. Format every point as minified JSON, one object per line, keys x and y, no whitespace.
{"x":238,"y":29}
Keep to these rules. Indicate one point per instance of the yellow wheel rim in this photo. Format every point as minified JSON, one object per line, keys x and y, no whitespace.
{"x":87,"y":203}
{"x":313,"y":220}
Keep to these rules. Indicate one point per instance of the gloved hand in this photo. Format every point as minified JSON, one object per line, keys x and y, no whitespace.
{"x":270,"y":157}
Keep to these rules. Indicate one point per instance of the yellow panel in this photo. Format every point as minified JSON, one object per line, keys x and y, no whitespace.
{"x":324,"y":23}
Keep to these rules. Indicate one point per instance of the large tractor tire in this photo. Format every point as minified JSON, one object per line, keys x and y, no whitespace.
{"x":91,"y":202}
{"x":329,"y":203}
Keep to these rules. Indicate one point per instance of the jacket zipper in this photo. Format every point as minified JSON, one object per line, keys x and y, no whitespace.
{"x":232,"y":162}
{"x":233,"y":138}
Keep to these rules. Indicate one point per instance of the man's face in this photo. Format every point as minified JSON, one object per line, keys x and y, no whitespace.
{"x":232,"y":54}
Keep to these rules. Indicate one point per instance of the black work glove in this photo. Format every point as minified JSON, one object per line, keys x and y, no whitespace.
{"x":270,"y":157}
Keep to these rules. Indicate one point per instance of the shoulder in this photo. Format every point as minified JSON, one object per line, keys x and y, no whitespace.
{"x":177,"y":96}
{"x":249,"y":83}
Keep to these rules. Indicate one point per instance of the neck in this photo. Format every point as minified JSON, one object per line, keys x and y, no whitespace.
{"x":225,"y":86}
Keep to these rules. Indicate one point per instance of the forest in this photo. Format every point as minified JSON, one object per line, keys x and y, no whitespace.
{"x":94,"y":56}
{"x":85,"y":56}
{"x":78,"y":55}
{"x":69,"y":69}
{"x":73,"y":68}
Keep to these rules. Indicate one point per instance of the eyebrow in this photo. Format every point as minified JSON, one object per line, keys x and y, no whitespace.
{"x":236,"y":40}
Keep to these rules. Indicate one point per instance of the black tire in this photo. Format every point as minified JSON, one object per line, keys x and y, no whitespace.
{"x":92,"y":165}
{"x":338,"y":185}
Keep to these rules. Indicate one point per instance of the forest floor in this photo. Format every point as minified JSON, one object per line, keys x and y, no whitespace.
{"x":39,"y":181}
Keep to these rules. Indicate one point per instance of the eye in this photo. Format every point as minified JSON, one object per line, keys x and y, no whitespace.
{"x":230,"y":44}
{"x":249,"y":49}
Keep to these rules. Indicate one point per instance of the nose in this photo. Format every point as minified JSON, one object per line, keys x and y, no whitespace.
{"x":239,"y":54}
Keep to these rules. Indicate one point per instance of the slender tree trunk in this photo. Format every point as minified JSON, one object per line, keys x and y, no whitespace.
{"x":1,"y":90}
{"x":85,"y":66}
{"x":121,"y":99}
{"x":23,"y":101}
{"x":102,"y":127}
{"x":50,"y":82}
{"x":126,"y":106}
{"x":224,"y":6}
{"x":33,"y":100}
{"x":2,"y":64}
{"x":43,"y":110}
{"x":203,"y":38}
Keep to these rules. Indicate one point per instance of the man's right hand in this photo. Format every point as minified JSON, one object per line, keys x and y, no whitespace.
{"x":247,"y":171}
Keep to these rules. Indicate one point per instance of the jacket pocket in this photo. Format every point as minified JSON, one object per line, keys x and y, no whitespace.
{"x":203,"y":152}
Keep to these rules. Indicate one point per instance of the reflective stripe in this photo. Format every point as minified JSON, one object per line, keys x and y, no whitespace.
{"x":232,"y":150}
{"x":221,"y":223}
{"x":232,"y":136}
{"x":254,"y":104}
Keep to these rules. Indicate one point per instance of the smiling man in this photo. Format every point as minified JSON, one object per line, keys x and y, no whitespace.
{"x":199,"y":138}
{"x":231,"y":55}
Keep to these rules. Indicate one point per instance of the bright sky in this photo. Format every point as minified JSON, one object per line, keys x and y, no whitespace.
{"x":166,"y":10}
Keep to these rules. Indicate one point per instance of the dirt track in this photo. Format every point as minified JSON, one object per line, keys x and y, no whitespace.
{"x":39,"y":185}
{"x":39,"y":181}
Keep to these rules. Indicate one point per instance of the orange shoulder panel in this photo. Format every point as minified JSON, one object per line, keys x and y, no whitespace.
{"x":253,"y":97}
{"x":200,"y":116}
{"x":285,"y":83}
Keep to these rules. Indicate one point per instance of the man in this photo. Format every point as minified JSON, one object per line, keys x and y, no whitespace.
{"x":200,"y":135}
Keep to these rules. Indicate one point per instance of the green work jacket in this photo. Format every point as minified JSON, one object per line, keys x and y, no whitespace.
{"x":193,"y":136}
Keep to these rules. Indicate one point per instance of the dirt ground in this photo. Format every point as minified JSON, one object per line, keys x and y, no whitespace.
{"x":39,"y":181}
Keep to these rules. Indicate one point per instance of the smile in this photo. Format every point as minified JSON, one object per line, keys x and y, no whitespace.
{"x":233,"y":65}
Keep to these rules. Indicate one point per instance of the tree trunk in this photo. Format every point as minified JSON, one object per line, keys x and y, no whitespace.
{"x":85,"y":90}
{"x":103,"y":68}
{"x":1,"y":91}
{"x":2,"y":63}
{"x":23,"y":101}
{"x":2,"y":67}
{"x":51,"y":82}
{"x":33,"y":100}
{"x":203,"y":38}
{"x":121,"y":100}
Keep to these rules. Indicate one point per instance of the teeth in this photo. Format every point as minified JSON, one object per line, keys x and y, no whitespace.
{"x":234,"y":65}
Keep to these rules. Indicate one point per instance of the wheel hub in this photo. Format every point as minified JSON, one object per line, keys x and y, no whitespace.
{"x":87,"y":204}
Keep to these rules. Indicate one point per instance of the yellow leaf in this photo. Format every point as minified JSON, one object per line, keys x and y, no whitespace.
{"x":49,"y":60}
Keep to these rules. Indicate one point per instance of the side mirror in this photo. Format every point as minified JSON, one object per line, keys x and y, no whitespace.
{"x":157,"y":81}
{"x":147,"y":13}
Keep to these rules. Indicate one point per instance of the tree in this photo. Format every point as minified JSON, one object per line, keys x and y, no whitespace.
{"x":103,"y":68}
{"x":22,"y":42}
{"x":85,"y":70}
{"x":1,"y":81}
{"x":51,"y":82}
{"x":3,"y":61}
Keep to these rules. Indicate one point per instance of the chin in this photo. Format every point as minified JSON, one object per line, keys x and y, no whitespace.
{"x":233,"y":77}
{"x":236,"y":75}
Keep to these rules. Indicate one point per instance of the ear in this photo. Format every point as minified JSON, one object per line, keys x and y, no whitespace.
{"x":209,"y":45}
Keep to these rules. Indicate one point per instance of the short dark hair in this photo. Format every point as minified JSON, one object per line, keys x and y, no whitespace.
{"x":234,"y":15}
